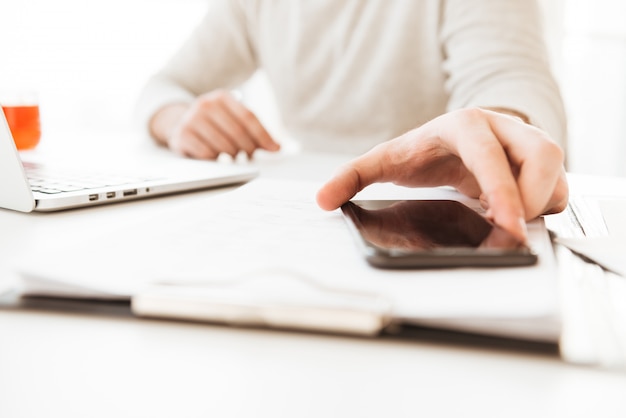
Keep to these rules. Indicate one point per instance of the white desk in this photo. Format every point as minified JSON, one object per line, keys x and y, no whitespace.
{"x":64,"y":364}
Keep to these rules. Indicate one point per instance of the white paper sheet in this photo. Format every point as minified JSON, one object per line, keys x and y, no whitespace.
{"x":604,"y":222}
{"x":614,"y":214}
{"x":609,"y":252}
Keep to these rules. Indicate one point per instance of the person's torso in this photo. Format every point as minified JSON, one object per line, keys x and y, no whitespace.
{"x":350,"y":74}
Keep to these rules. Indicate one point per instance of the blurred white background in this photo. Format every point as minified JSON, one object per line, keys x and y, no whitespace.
{"x":88,"y":60}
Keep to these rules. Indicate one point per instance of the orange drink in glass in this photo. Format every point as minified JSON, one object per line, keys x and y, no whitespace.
{"x":22,"y":113}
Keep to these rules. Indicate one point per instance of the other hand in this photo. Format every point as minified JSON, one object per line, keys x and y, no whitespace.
{"x":214,"y":123}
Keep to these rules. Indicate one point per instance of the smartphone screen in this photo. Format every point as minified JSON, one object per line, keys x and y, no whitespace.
{"x":431,"y":233}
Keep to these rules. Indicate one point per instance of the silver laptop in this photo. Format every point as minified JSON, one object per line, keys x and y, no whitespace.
{"x":36,"y":186}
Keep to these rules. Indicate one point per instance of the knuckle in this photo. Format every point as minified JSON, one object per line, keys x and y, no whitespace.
{"x":245,"y":145}
{"x":184,"y":132}
{"x":472,"y":113}
{"x":491,"y":147}
{"x":249,"y":118}
{"x":553,"y":150}
{"x":221,"y":144}
{"x":547,"y":150}
{"x":238,"y":131}
{"x":352,"y":178}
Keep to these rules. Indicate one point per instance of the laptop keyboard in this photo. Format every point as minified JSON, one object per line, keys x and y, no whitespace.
{"x":52,"y":181}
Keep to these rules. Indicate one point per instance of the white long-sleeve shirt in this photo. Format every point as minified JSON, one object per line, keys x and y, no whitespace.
{"x":349,"y":74}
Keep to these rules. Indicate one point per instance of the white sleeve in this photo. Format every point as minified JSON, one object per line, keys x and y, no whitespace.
{"x":495,"y":56}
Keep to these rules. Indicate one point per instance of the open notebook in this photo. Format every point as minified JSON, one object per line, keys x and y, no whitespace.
{"x":44,"y":186}
{"x":265,"y":253}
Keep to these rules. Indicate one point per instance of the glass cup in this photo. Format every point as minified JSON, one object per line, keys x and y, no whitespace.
{"x":21,"y":110}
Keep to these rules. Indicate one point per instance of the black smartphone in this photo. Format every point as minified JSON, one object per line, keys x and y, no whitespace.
{"x":431,"y":233}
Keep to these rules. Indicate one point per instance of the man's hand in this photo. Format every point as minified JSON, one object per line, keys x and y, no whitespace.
{"x":514,"y":168}
{"x":214,"y":123}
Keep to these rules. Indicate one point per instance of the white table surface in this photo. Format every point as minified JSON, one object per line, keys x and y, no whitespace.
{"x":73,"y":364}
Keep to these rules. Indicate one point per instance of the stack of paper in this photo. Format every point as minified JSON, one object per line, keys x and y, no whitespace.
{"x":593,"y":285}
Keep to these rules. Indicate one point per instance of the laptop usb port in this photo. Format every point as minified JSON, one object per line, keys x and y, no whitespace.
{"x":110,"y":195}
{"x":131,"y":192}
{"x":93,"y":197}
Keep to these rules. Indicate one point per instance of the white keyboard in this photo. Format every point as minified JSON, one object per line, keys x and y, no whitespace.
{"x":52,"y":181}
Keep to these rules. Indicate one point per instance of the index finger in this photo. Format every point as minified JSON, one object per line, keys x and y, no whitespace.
{"x":352,"y":178}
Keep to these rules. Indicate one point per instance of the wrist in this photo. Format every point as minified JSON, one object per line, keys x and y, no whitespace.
{"x":165,"y":120}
